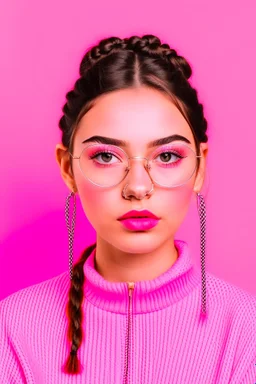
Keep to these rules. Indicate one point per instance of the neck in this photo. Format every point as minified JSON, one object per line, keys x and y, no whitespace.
{"x":148,"y":295}
{"x":123,"y":265}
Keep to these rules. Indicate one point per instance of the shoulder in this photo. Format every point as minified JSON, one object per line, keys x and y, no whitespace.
{"x":225,"y":290}
{"x":36,"y":299}
{"x":231,"y":300}
{"x":233,"y":319}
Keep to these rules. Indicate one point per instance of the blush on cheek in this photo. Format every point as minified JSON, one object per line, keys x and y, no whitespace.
{"x":87,"y":191}
{"x":95,"y":202}
{"x":182,"y":195}
{"x":178,"y":202}
{"x":91,"y":197}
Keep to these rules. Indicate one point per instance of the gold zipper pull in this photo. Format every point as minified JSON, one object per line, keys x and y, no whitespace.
{"x":131,"y":286}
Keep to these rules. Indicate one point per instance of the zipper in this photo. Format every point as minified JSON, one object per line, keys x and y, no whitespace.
{"x":131,"y":286}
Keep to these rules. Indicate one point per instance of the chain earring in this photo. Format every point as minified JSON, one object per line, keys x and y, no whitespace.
{"x":70,"y":229}
{"x":202,"y":215}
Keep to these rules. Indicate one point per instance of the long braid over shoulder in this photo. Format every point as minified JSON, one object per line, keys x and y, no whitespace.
{"x":74,"y":312}
{"x":111,"y":65}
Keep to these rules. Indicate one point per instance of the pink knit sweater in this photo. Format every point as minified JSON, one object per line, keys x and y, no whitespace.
{"x":161,"y":330}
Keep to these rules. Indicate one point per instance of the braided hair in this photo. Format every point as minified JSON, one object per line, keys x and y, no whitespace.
{"x":111,"y":65}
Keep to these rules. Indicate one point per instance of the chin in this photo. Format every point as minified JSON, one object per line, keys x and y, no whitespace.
{"x":138,"y":242}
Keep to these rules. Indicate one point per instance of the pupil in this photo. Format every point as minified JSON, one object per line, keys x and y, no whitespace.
{"x":107,"y":155}
{"x":166,"y":155}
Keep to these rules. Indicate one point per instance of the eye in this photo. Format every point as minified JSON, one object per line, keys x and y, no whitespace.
{"x":168,"y":155}
{"x":106,"y":154}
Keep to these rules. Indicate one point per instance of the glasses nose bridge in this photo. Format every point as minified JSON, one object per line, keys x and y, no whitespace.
{"x":139,"y":157}
{"x":146,"y":166}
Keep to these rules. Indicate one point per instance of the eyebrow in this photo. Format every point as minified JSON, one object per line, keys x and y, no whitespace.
{"x":122,"y":143}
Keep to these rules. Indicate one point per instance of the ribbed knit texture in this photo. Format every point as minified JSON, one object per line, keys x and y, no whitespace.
{"x":170,"y":342}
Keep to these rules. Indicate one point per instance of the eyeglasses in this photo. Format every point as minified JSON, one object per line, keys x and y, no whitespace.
{"x":169,"y":166}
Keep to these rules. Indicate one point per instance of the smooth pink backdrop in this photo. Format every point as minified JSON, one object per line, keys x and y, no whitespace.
{"x":42,"y":44}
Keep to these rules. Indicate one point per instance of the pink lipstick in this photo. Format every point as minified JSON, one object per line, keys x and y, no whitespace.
{"x":142,"y":224}
{"x":139,"y":220}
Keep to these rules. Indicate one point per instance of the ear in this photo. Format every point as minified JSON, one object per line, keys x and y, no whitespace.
{"x":202,"y":168}
{"x":63,"y":160}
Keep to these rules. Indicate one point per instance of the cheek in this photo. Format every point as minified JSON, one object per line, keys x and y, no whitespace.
{"x":176,"y":203}
{"x":97,"y":202}
{"x":100,"y":205}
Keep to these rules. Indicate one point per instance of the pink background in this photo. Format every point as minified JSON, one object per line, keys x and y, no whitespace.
{"x":43,"y":43}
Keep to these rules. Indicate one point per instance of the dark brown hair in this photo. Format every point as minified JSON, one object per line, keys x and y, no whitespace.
{"x":112,"y":65}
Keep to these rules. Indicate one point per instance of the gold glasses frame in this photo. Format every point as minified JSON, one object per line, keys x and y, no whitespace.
{"x":147,"y":167}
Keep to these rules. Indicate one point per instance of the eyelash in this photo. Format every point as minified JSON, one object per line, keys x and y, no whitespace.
{"x":101,"y":152}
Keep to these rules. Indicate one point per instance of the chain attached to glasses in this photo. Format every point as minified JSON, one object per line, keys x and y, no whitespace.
{"x":70,"y":230}
{"x":202,"y":215}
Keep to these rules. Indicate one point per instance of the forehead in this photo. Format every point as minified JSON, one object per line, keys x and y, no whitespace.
{"x":136,"y":115}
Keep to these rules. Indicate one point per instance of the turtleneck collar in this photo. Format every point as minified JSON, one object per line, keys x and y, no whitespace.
{"x":148,"y":295}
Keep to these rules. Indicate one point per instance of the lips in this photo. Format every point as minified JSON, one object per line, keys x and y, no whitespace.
{"x":139,"y":224}
{"x":138,"y":214}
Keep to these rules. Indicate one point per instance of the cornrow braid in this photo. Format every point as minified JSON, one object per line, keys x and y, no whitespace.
{"x":148,"y":44}
{"x":111,"y":65}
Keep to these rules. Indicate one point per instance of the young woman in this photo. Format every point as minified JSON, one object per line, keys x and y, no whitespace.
{"x":134,"y":308}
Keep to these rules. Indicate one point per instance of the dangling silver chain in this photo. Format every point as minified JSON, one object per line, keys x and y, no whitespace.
{"x":70,"y":230}
{"x":202,"y":216}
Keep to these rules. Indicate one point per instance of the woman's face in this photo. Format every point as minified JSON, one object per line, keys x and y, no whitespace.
{"x":137,"y":116}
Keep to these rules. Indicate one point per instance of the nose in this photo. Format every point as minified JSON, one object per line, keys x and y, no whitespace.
{"x":138,"y":178}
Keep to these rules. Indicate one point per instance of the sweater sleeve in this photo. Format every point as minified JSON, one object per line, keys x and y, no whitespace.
{"x":250,"y":376}
{"x":11,"y":371}
{"x":245,"y":352}
{"x":248,"y":367}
